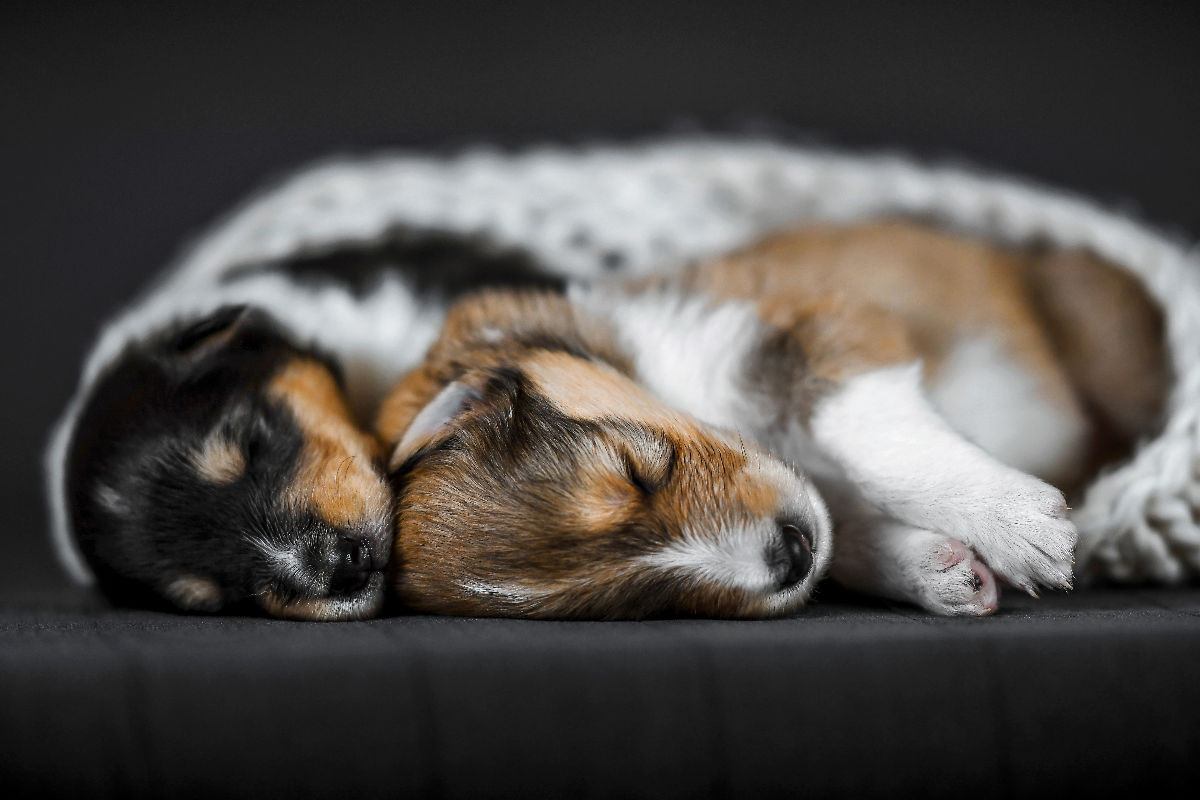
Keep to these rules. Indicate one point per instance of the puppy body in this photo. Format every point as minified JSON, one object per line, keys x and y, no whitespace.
{"x":923,"y":382}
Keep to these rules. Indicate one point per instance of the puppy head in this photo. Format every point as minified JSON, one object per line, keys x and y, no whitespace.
{"x":557,"y":487}
{"x":218,"y":466}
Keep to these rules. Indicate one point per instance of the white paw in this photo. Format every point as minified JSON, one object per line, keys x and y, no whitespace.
{"x":949,"y":579}
{"x":1021,"y":530}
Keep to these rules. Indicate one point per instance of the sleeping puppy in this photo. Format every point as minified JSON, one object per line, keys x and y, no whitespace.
{"x":217,"y":465}
{"x":212,"y":457}
{"x":691,"y":443}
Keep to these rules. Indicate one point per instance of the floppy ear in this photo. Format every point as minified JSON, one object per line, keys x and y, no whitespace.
{"x":210,"y":334}
{"x":435,"y":419}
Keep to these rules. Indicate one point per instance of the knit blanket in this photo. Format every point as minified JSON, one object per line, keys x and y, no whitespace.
{"x":634,"y":209}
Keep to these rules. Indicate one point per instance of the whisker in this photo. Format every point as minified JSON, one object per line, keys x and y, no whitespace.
{"x":337,"y":476}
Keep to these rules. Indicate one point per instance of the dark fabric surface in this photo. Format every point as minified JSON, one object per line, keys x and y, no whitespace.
{"x":1094,"y":693}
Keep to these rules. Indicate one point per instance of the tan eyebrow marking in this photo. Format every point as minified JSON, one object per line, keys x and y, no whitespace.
{"x":336,"y":475}
{"x":219,"y":460}
{"x":195,"y":592}
{"x":588,"y":390}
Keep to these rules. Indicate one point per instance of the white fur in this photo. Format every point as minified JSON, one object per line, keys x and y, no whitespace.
{"x":516,"y":594}
{"x":904,"y":458}
{"x":992,"y":400}
{"x":290,"y":563}
{"x":735,"y":555}
{"x":889,"y":558}
{"x":285,"y":562}
{"x":895,"y":560}
{"x":733,"y":558}
{"x":687,"y":350}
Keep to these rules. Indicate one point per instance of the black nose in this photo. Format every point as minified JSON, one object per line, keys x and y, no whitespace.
{"x":352,"y":565}
{"x":796,"y":551}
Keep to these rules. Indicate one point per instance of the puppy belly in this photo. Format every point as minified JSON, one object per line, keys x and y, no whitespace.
{"x":1008,"y":409}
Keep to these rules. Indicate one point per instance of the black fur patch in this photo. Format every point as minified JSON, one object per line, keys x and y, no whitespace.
{"x":436,"y":263}
{"x":778,"y":374}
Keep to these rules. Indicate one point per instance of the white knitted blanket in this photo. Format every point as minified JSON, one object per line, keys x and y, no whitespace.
{"x":645,"y":207}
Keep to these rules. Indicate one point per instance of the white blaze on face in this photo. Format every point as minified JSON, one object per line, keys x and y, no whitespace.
{"x":739,"y":554}
{"x":734,"y":558}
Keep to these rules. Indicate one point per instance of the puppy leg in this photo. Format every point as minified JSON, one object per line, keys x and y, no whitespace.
{"x":890,"y":559}
{"x":882,"y":432}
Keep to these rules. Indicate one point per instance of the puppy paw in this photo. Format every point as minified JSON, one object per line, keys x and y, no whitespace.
{"x":1024,"y":535}
{"x":949,"y":579}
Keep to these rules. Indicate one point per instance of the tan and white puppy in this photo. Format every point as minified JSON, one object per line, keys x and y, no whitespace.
{"x":672,"y":445}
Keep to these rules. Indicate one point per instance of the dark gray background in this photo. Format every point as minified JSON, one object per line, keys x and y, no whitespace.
{"x":125,"y":129}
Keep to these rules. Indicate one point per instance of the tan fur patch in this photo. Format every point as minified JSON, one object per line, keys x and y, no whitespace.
{"x":490,"y":329}
{"x":306,"y":608}
{"x":1109,"y":335}
{"x":404,"y":403}
{"x":313,"y":609}
{"x":336,"y":477}
{"x":219,"y":461}
{"x":606,"y":503}
{"x":591,"y":390}
{"x":195,"y":593}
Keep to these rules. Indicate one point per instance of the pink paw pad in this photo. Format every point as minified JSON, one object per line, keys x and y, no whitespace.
{"x":953,"y":552}
{"x":984,"y":582}
{"x":965,"y":584}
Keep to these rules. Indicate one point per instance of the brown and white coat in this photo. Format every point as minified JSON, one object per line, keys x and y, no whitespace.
{"x":926,"y":384}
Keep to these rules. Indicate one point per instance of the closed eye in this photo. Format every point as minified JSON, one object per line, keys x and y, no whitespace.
{"x":643,"y":484}
{"x":652,"y":477}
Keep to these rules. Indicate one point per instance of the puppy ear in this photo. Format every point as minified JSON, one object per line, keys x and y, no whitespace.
{"x":210,"y":334}
{"x":436,"y":419}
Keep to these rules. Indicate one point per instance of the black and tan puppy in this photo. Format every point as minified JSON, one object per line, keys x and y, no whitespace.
{"x":217,"y":464}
